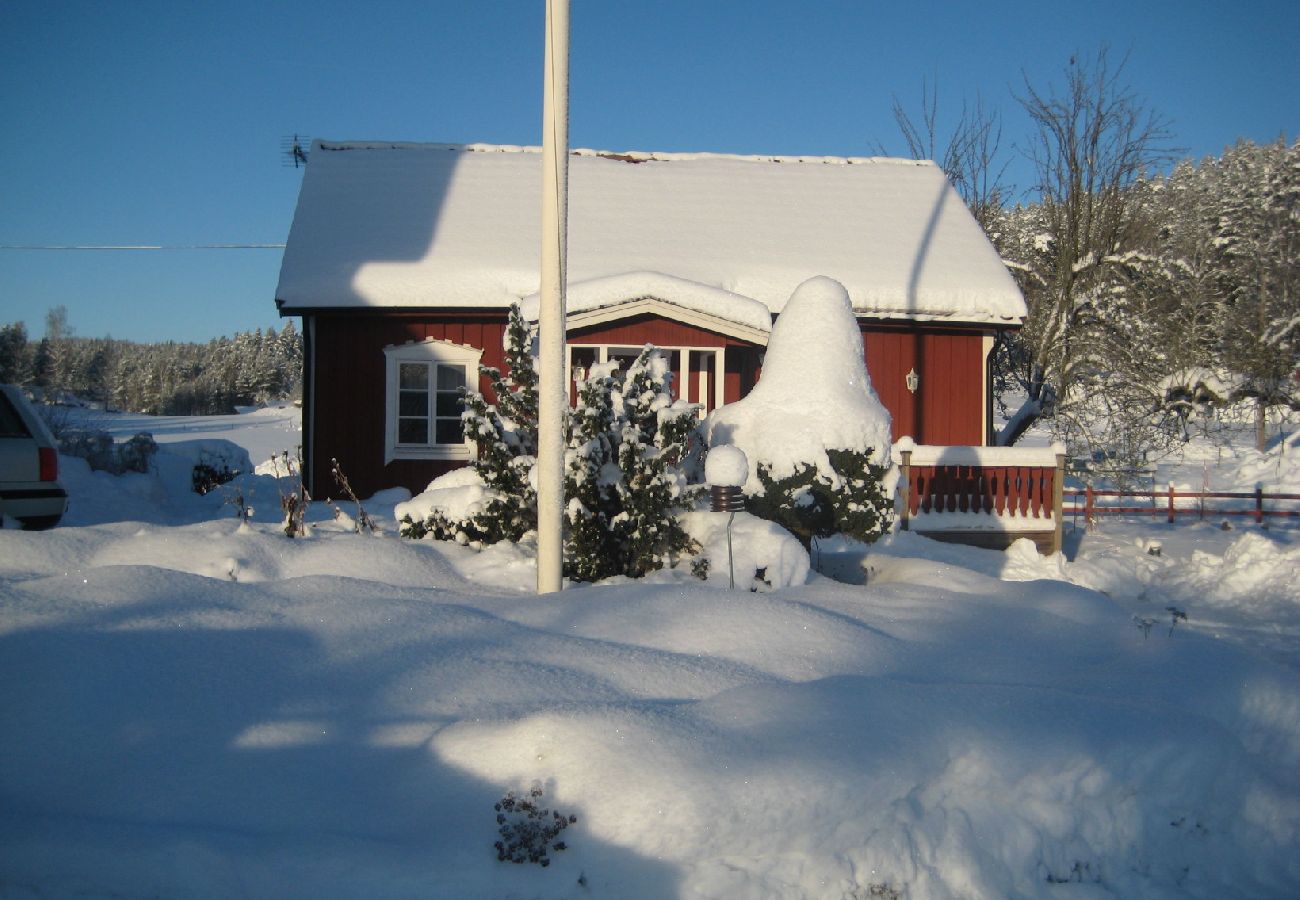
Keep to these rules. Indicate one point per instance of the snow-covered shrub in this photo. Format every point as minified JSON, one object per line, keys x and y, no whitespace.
{"x":98,"y":449}
{"x":444,"y":509}
{"x":816,"y":435}
{"x":214,"y":468}
{"x":205,"y":478}
{"x":623,"y":481}
{"x":763,"y":555}
{"x":528,"y":831}
{"x":812,"y":503}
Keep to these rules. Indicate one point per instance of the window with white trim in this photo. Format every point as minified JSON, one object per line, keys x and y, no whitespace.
{"x":698,"y":372}
{"x":425,"y":398}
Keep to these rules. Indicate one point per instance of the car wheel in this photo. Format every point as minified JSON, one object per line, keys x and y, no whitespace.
{"x":39,"y":523}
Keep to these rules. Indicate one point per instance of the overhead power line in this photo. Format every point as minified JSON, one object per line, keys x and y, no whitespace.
{"x":141,"y":246}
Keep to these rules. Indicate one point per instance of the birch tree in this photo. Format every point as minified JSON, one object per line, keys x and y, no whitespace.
{"x":1093,"y":139}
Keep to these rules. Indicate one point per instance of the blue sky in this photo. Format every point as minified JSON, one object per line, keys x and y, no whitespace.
{"x":161,"y":123}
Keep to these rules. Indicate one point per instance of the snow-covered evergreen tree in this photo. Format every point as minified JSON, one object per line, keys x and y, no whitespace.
{"x":623,"y":478}
{"x":653,"y":441}
{"x":591,"y":480}
{"x":1257,"y":233}
{"x":505,"y":433}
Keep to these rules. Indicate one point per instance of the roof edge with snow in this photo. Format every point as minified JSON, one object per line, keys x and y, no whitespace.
{"x":395,"y":225}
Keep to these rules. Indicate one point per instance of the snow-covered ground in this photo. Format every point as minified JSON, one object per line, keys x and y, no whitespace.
{"x":195,"y":708}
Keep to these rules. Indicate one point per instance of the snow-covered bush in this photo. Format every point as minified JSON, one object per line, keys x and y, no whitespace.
{"x":99,"y":450}
{"x":506,"y":436}
{"x":763,"y":555}
{"x":814,"y":431}
{"x":217,"y":465}
{"x":623,"y":480}
{"x":445,"y":508}
{"x":850,"y":500}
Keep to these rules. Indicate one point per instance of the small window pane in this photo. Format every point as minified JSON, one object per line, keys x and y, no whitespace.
{"x":449,"y":405}
{"x":451,"y":378}
{"x":411,"y":403}
{"x":412,"y":431}
{"x":449,"y":431}
{"x":414,"y":376}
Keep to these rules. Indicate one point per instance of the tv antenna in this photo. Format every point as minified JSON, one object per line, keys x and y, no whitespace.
{"x":293,"y":151}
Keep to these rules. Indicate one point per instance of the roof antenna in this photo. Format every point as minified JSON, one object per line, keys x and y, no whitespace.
{"x":293,"y":151}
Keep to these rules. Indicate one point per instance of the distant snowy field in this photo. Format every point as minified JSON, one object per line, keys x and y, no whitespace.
{"x":197,"y":709}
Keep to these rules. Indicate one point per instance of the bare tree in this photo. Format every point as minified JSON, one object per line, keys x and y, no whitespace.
{"x":971,"y":156}
{"x":1093,"y":139}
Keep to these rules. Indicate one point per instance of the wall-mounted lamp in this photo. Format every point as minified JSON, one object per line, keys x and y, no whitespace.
{"x":913,"y":381}
{"x":579,"y":374}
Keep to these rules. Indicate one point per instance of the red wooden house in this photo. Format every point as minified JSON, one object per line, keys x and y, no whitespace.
{"x":403,"y":260}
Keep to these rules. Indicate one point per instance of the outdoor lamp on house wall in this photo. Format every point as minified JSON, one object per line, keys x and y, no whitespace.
{"x":913,"y":380}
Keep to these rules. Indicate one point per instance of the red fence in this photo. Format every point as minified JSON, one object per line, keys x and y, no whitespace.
{"x":1259,"y":506}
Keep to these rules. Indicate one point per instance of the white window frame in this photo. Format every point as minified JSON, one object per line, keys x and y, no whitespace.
{"x":432,"y":353}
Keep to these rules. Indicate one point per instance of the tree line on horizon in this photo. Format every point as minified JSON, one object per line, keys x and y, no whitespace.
{"x":161,"y":378}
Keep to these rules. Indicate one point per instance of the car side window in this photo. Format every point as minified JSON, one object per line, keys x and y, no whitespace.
{"x":11,"y":424}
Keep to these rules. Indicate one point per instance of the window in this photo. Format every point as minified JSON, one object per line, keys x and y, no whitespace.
{"x":696,"y":370}
{"x":426,"y":381}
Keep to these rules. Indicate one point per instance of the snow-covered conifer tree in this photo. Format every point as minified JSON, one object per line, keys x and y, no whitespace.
{"x":506,"y":435}
{"x":591,"y":480}
{"x":652,"y":445}
{"x":623,"y":480}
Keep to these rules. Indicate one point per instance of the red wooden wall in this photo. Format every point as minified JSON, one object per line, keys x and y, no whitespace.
{"x":346,"y":407}
{"x":345,"y":402}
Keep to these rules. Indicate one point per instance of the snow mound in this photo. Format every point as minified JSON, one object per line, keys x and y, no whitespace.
{"x":458,"y":495}
{"x":814,"y":394}
{"x":756,"y":546}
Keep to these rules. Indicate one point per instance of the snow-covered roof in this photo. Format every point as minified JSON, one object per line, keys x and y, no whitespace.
{"x":431,"y":225}
{"x":617,"y":292}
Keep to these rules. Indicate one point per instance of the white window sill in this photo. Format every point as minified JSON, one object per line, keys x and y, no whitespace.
{"x":449,"y":451}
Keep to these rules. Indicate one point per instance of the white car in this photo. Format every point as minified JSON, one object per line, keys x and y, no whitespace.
{"x":29,"y":465}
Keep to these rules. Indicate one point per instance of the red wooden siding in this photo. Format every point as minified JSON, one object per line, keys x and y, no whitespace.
{"x":741,"y":357}
{"x":648,"y":329}
{"x":349,"y":393}
{"x":346,"y":404}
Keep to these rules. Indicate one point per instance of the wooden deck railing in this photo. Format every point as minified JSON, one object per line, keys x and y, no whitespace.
{"x":983,"y":495}
{"x":989,"y":496}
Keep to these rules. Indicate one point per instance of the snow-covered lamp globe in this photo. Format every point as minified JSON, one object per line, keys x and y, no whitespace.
{"x":726,"y":469}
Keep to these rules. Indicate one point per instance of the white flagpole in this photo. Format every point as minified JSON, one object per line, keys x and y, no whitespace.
{"x":553,"y":395}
